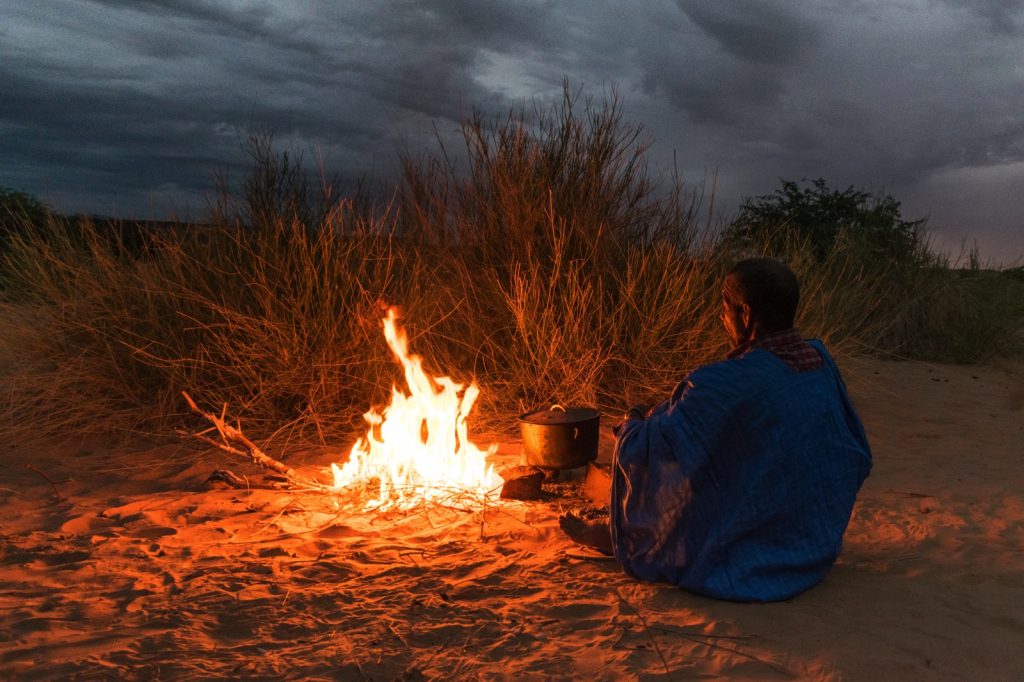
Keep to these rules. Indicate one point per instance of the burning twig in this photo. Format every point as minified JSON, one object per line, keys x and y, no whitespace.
{"x":232,"y":433}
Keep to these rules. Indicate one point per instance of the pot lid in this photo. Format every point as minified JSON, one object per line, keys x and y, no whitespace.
{"x":557,"y":414}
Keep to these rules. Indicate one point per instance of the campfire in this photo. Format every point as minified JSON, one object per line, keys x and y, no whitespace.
{"x":417,"y":449}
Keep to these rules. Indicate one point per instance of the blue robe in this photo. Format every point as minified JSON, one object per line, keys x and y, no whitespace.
{"x":741,"y":485}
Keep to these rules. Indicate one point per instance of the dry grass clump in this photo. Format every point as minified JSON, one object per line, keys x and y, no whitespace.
{"x":280,"y":322}
{"x":558,"y":244}
{"x":554,"y":269}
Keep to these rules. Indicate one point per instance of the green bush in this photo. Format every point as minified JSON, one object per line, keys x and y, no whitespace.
{"x":17,"y":211}
{"x":819,"y":215}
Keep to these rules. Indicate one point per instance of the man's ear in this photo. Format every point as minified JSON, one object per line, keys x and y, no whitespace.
{"x":747,"y":318}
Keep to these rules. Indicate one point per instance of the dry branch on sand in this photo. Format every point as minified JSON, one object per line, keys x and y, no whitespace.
{"x":229,"y":434}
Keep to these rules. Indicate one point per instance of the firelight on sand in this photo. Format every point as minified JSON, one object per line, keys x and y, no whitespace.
{"x":417,"y":448}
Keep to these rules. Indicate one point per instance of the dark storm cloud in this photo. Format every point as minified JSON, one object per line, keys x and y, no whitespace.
{"x":885,"y":94}
{"x":132,"y":106}
{"x":756,"y":31}
{"x":252,"y":22}
{"x":713,"y":94}
{"x":1002,"y":16}
{"x":903,"y":97}
{"x":468,"y":23}
{"x":187,"y":80}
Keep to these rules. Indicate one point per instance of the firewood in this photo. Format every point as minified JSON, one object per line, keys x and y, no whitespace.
{"x":252,"y":451}
{"x":522,"y":483}
{"x":227,"y":478}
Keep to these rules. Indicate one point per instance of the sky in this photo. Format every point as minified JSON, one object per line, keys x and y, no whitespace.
{"x":130,"y":108}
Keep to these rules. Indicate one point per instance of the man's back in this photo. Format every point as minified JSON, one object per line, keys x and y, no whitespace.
{"x":741,"y":485}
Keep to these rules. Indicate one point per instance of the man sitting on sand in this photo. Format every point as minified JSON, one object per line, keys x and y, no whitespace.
{"x":741,"y":484}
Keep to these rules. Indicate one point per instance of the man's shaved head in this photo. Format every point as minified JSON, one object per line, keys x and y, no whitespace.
{"x":770,"y":289}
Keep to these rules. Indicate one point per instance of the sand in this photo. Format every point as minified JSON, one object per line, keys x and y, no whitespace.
{"x":142,"y":570}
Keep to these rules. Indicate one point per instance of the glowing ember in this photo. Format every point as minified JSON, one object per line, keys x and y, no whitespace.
{"x":417,"y":448}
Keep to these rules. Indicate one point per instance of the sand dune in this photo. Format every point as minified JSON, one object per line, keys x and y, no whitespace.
{"x":143,"y":570}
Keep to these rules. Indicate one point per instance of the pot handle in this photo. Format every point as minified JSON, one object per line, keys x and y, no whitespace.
{"x":556,"y":405}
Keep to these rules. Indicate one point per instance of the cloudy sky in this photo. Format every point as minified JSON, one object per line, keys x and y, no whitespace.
{"x":128,"y":108}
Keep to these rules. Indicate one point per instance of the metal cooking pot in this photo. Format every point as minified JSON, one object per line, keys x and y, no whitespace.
{"x":560,"y":438}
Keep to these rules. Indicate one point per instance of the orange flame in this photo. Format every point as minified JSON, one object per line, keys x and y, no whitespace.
{"x":417,"y":448}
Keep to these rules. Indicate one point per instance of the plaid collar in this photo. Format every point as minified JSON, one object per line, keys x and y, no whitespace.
{"x":775,"y":341}
{"x":787,"y":345}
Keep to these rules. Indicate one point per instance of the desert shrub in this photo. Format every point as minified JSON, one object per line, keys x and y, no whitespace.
{"x":546,"y":230}
{"x":872,"y":281}
{"x":547,"y":262}
{"x":276,"y":187}
{"x":968,"y":315}
{"x":19,"y":211}
{"x":820,"y":216}
{"x":281,"y":324}
{"x":583,"y":171}
{"x":1016,"y":274}
{"x":861,"y":303}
